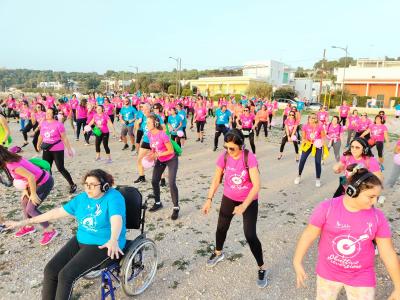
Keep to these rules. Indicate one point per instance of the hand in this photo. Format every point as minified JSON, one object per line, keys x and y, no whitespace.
{"x":240,"y":209}
{"x":38,"y":149}
{"x":12,"y":224}
{"x":34,"y":198}
{"x":301,"y":275}
{"x":206,"y":207}
{"x":69,"y":152}
{"x":113,"y":249}
{"x":395,"y":295}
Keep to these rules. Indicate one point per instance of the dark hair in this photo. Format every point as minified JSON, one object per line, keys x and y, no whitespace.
{"x":363,"y":143}
{"x":83,"y":102}
{"x":101,"y":175}
{"x":337,"y":119}
{"x":53,"y":111}
{"x":368,"y":183}
{"x":380,"y":117}
{"x":42,"y":108}
{"x":7,"y":157}
{"x":155,"y":120}
{"x":235,"y":136}
{"x":158,"y":106}
{"x":102,"y":107}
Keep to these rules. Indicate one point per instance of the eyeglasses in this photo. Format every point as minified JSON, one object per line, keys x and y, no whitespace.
{"x":355,"y":147}
{"x":90,"y":186}
{"x":245,"y":110}
{"x":229,"y":148}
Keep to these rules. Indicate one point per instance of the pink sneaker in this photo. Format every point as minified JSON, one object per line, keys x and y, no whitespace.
{"x":24,"y":231}
{"x":48,"y":236}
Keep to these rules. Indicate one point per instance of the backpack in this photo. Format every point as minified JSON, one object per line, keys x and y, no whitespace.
{"x":246,"y":163}
{"x":41,"y":163}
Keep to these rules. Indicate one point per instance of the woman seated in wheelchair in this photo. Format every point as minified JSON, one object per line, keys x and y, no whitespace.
{"x":100,"y":214}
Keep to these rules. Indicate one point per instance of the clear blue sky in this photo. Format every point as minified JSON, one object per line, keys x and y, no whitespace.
{"x":100,"y":35}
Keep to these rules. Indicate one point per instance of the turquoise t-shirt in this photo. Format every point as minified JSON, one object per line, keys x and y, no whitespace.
{"x":222,"y":116}
{"x":93,"y":217}
{"x":128,"y":114}
{"x":174,"y":121}
{"x":182,"y":114}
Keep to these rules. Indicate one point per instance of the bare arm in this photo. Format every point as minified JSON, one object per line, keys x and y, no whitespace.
{"x":55,"y":213}
{"x":390,"y":259}
{"x":116,"y":227}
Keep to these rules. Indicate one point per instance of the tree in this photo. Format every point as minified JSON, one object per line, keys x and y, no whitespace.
{"x":155,"y":87}
{"x":286,"y":93}
{"x":92,"y":83}
{"x":187,"y":92}
{"x":300,"y":73}
{"x":172,"y":89}
{"x":259,"y":89}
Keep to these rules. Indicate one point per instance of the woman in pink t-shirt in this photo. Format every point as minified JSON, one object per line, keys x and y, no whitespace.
{"x":379,"y":134}
{"x":238,"y":168}
{"x":38,"y":184}
{"x":352,"y":126}
{"x":247,"y":123}
{"x":200,"y":115}
{"x":109,"y":109}
{"x":164,"y":156}
{"x":80,"y":117}
{"x":360,"y":154}
{"x":334,"y":134}
{"x":52,"y":140}
{"x":285,"y":114}
{"x":102,"y":121}
{"x":363,"y":124}
{"x":290,"y":135}
{"x":346,"y":227}
{"x":311,"y":132}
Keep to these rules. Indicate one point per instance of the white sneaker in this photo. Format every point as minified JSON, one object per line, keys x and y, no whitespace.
{"x":297,"y":180}
{"x":317,"y":183}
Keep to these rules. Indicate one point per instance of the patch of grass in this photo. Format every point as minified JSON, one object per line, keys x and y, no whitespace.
{"x":181,"y":264}
{"x":291,"y":214}
{"x":150,"y":227}
{"x":179,"y":225}
{"x":76,"y":296}
{"x":159,"y":236}
{"x":243,"y":243}
{"x":160,"y":265}
{"x":184,"y":200}
{"x":37,"y":285}
{"x":11,"y":214}
{"x":5,"y":273}
{"x":87,"y":285}
{"x":174,"y":285}
{"x":235,"y":256}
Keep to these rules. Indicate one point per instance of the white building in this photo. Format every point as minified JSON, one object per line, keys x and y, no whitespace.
{"x":50,"y":85}
{"x":270,"y":71}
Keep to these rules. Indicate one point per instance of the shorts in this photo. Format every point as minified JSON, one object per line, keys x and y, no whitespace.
{"x":327,"y":289}
{"x":125,"y":130}
{"x":139,"y":136}
{"x":145,"y":145}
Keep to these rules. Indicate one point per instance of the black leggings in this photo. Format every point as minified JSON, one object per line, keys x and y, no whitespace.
{"x":343,"y":121}
{"x":283,"y":121}
{"x":80,"y":124}
{"x":200,"y":125}
{"x":251,"y":139}
{"x":210,"y":112}
{"x":379,"y":147}
{"x":249,"y":226}
{"x":270,"y":120}
{"x":318,"y":158}
{"x":103,"y":138}
{"x":285,"y":140}
{"x":69,"y":264}
{"x":28,"y":127}
{"x":58,"y":158}
{"x":158,"y":170}
{"x":219,"y":129}
{"x":263,"y":124}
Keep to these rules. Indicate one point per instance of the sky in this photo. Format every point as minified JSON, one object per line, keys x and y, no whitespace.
{"x":101,"y":35}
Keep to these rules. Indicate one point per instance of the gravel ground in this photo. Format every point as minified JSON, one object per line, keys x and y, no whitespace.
{"x":185,"y":244}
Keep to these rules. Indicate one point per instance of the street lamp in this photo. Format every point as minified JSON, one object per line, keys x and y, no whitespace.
{"x":178,"y":67}
{"x":344,"y":69}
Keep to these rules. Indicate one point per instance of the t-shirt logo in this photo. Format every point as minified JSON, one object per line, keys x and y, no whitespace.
{"x":90,"y":221}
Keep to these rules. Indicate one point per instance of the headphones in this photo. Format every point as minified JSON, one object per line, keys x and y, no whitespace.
{"x":104,"y":186}
{"x":366,"y":149}
{"x":353,"y":190}
{"x":156,"y":121}
{"x":233,"y":133}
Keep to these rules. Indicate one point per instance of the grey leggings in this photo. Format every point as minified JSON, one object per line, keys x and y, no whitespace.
{"x":350,"y":136}
{"x":31,"y":210}
{"x":159,"y":169}
{"x":336,"y":149}
{"x":393,"y":176}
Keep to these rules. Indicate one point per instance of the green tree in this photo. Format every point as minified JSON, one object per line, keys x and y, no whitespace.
{"x":187,"y":92}
{"x":287,"y":93}
{"x":91,"y":83}
{"x":172,"y":89}
{"x":259,"y":89}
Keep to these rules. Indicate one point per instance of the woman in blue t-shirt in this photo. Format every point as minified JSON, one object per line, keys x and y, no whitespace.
{"x":100,"y":214}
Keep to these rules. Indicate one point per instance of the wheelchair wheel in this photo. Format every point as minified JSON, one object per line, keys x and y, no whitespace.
{"x":139,"y":266}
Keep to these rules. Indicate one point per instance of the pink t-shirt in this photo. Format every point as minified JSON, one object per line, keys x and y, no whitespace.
{"x":287,"y":110}
{"x":370,"y":163}
{"x":81,"y":112}
{"x":312,"y":132}
{"x":290,"y":123}
{"x":363,"y":124}
{"x":322,"y":116}
{"x":247,"y":121}
{"x":378,"y":132}
{"x":201,"y":113}
{"x":344,"y":111}
{"x":49,"y":102}
{"x":74,"y":103}
{"x":40,"y":116}
{"x":333,"y":132}
{"x":345,"y":251}
{"x":109,"y":109}
{"x":101,"y":122}
{"x":51,"y":133}
{"x":25,"y":113}
{"x":90,"y":115}
{"x":35,"y":170}
{"x":353,"y":122}
{"x":237,"y":183}
{"x":157,"y":144}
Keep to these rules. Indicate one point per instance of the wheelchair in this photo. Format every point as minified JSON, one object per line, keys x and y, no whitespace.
{"x":136,"y":270}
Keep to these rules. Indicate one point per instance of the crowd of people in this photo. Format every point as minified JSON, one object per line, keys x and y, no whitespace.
{"x":155,"y":130}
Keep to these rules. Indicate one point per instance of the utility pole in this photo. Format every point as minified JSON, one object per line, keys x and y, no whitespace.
{"x":322,"y":76}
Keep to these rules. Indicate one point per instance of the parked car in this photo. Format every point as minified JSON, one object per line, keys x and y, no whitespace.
{"x":282,"y":102}
{"x":314,"y":106}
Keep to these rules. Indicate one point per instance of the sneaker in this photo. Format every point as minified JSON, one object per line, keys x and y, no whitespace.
{"x":24,"y":231}
{"x":73,"y":189}
{"x":382,"y":167}
{"x":48,"y":236}
{"x":175,"y":213}
{"x":297,"y":180}
{"x":202,"y":140}
{"x":198,"y":140}
{"x":262,"y":281}
{"x":140,"y":179}
{"x":133,"y":148}
{"x":163,"y":183}
{"x":109,"y":161}
{"x":2,"y":228}
{"x":318,"y":183}
{"x":215,"y":149}
{"x":125,"y":147}
{"x":214,"y":259}
{"x":25,"y":144}
{"x":76,"y":139}
{"x":97,"y":159}
{"x":155,"y":207}
{"x":87,"y":144}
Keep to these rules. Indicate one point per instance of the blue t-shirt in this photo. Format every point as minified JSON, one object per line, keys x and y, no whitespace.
{"x":244,"y":102}
{"x":93,"y":217}
{"x":182,"y":114}
{"x":174,"y":121}
{"x":222,"y":116}
{"x":100,"y":100}
{"x":300,"y":105}
{"x":128,"y":113}
{"x":397,"y":107}
{"x":143,"y":127}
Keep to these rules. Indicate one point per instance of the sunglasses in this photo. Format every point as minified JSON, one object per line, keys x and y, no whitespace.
{"x":229,"y":148}
{"x":246,"y":110}
{"x":291,"y":115}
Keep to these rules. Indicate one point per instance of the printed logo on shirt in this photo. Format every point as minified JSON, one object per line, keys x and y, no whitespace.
{"x":90,"y":221}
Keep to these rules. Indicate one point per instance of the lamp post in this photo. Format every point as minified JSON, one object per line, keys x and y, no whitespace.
{"x":178,"y":67}
{"x":344,"y":69}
